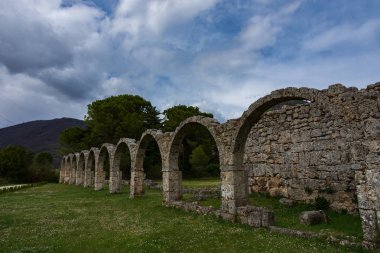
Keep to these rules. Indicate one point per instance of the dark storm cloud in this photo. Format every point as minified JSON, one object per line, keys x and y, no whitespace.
{"x":31,"y":46}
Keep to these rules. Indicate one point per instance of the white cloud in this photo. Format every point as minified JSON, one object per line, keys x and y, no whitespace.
{"x":164,"y":13}
{"x":25,"y":98}
{"x":170,"y":52}
{"x":343,"y":35}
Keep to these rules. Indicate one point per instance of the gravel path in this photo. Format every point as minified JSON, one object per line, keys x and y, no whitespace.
{"x":11,"y":186}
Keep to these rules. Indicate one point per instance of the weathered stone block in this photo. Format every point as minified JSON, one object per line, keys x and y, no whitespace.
{"x":254,"y":218}
{"x":372,"y":128}
{"x":369,"y":225}
{"x":313,"y":217}
{"x":286,"y":202}
{"x":267,"y":218}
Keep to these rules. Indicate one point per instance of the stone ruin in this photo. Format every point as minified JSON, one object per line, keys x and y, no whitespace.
{"x":327,"y":144}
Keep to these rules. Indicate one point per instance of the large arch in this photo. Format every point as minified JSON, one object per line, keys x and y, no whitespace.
{"x":89,"y":174}
{"x":116,"y":175}
{"x":173,"y":179}
{"x":82,"y":157}
{"x":107,"y":149}
{"x":137,"y":173}
{"x":236,"y":185}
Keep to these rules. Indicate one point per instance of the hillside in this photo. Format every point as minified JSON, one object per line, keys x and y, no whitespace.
{"x":38,"y":136}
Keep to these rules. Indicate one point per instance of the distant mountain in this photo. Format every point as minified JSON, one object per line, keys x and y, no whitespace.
{"x":38,"y":136}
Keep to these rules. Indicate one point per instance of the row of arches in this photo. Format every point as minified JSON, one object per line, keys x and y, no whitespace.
{"x":102,"y":167}
{"x":89,"y":167}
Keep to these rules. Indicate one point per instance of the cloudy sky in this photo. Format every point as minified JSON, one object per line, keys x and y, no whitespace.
{"x":56,"y":56}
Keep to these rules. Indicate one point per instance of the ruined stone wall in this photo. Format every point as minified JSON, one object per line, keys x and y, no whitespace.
{"x":329,"y":147}
{"x":311,"y":150}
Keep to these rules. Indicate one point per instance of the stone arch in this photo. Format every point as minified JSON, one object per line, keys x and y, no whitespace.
{"x":100,"y":173}
{"x":72,"y":168}
{"x":137,"y":173}
{"x":89,"y":175}
{"x":80,"y":175}
{"x":174,"y":182}
{"x":116,"y":175}
{"x":236,"y":185}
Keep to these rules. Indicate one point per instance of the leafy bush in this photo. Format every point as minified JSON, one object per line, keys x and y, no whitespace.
{"x":328,"y":190}
{"x":308,"y":190}
{"x":321,"y":203}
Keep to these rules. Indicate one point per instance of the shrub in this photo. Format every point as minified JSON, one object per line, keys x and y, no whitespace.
{"x":328,"y":190}
{"x":308,"y":190}
{"x":321,"y":203}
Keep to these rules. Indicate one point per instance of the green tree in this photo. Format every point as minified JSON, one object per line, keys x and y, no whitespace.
{"x":199,"y":136}
{"x":14,"y":163}
{"x":74,"y":139}
{"x":120,"y":116}
{"x":42,"y":168}
{"x":176,"y":114}
{"x":199,"y":161}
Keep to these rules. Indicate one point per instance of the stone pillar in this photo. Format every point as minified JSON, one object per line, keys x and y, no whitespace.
{"x":368,"y":192}
{"x":92,"y":176}
{"x":137,"y":183}
{"x":172,"y":185}
{"x":91,"y":165}
{"x":234,"y":190}
{"x":66,"y":175}
{"x":79,"y":177}
{"x":120,"y":181}
{"x":66,"y":178}
{"x":114,"y":184}
{"x":87,"y":178}
{"x":99,"y":179}
{"x":72,"y":174}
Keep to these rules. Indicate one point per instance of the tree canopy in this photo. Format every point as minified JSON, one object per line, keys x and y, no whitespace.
{"x":19,"y":165}
{"x":74,"y":139}
{"x":120,"y":116}
{"x":128,"y":116}
{"x":176,"y":114}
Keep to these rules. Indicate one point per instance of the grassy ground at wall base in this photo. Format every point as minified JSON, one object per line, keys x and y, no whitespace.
{"x":68,"y":218}
{"x":339,"y":225}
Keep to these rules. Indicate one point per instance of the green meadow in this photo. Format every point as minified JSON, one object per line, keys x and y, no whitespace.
{"x":68,"y":218}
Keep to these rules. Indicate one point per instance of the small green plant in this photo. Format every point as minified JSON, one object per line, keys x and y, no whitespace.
{"x":328,"y":190}
{"x":355,"y":199}
{"x":308,"y":190}
{"x":321,"y":203}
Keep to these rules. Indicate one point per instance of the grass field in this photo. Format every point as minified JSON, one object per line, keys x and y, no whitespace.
{"x":67,"y":218}
{"x":200,"y":183}
{"x":339,"y":225}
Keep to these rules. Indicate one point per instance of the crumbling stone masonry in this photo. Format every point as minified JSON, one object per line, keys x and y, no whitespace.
{"x":329,"y":146}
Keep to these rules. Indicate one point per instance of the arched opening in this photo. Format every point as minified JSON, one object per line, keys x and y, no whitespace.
{"x":81,"y":169}
{"x":102,"y":174}
{"x":272,"y":148}
{"x":152,"y":163}
{"x":243,"y":170}
{"x":90,"y":170}
{"x":148,"y":167}
{"x":121,"y":172}
{"x":73,"y":169}
{"x":194,"y":153}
